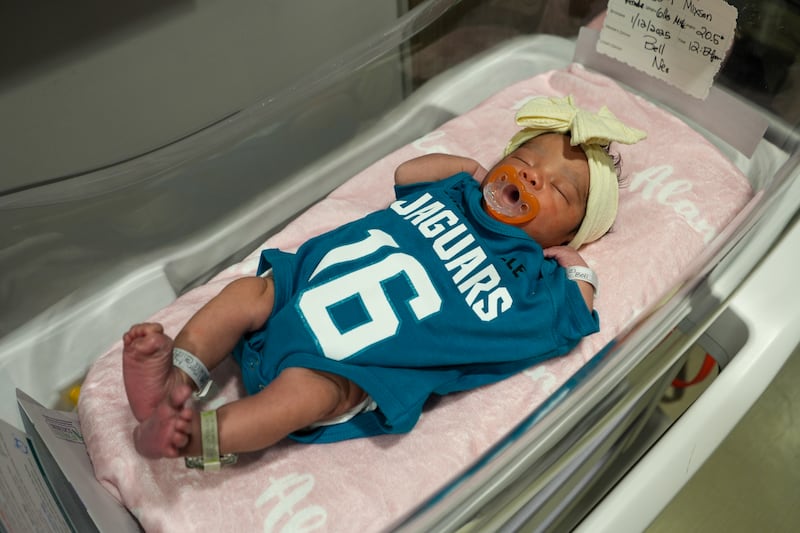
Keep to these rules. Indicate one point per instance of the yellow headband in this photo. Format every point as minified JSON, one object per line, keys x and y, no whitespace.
{"x":593,"y":132}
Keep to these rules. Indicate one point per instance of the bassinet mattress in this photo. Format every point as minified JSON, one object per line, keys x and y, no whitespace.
{"x":679,"y":191}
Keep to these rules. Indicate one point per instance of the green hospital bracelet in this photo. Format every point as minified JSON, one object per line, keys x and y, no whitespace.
{"x":211,"y":459}
{"x":210,"y":436}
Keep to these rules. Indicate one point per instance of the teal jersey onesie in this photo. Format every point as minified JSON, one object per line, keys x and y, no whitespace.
{"x":429,"y":296}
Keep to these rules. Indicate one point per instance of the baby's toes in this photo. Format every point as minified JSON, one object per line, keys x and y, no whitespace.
{"x":186,"y":414}
{"x":140,"y":330}
{"x":171,"y":452}
{"x":179,"y":440}
{"x":180,"y":394}
{"x":183,"y":426}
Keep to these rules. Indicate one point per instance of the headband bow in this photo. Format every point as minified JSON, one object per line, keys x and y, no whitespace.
{"x":559,"y":115}
{"x":593,"y":132}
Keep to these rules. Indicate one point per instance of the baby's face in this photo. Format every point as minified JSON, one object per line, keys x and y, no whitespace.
{"x":559,"y":177}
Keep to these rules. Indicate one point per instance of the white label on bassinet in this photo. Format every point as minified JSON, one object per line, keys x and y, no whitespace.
{"x":682,"y":42}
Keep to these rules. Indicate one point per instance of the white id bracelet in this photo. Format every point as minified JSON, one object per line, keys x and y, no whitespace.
{"x":209,"y":434}
{"x":195,"y":369}
{"x":579,"y":273}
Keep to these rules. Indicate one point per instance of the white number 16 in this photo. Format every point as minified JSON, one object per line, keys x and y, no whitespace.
{"x":366,"y":286}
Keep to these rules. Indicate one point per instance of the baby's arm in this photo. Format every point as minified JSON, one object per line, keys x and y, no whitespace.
{"x":568,"y":257}
{"x":435,"y":167}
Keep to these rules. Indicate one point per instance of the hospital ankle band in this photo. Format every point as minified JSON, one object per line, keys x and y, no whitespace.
{"x":194,"y":368}
{"x":209,"y":434}
{"x":579,"y":273}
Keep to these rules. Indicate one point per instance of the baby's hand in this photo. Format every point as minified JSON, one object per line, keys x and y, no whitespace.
{"x":565,"y":255}
{"x":480,"y":173}
{"x":569,"y":257}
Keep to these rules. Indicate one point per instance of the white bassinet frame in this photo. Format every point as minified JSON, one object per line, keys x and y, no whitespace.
{"x":569,"y":453}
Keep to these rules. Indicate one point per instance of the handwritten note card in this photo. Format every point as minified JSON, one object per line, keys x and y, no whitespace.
{"x":682,"y":42}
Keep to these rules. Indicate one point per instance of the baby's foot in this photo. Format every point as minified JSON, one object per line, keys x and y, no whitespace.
{"x":168,"y":428}
{"x":147,"y":368}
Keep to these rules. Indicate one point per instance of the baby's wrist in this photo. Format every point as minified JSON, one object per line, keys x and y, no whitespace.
{"x":585,"y":274}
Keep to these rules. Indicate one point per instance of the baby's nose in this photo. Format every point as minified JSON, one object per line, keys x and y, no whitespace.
{"x":533,"y":177}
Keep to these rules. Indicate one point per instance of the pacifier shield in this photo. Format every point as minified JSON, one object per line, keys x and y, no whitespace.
{"x":507,"y":197}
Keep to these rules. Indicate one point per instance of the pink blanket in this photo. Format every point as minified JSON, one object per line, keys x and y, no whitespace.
{"x":680,"y":192}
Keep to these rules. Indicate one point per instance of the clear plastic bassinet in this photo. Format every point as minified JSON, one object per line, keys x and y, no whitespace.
{"x":104,"y":243}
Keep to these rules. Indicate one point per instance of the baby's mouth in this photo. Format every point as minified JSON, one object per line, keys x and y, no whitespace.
{"x":509,"y":194}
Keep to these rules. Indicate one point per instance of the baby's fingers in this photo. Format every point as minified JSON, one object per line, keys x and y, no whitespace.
{"x":565,"y":256}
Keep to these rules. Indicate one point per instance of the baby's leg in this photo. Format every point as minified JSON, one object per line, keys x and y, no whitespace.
{"x":210,"y":335}
{"x":157,"y":391}
{"x":297,"y":398}
{"x":168,"y":428}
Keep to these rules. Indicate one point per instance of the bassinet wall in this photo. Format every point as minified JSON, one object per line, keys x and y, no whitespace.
{"x":679,"y":192}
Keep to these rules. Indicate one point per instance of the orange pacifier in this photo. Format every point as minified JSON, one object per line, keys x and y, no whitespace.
{"x":507,"y":197}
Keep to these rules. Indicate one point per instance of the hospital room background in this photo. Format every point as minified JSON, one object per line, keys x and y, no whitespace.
{"x":128,"y":139}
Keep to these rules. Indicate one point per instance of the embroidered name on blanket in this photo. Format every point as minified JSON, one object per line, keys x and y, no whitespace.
{"x":658,"y":183}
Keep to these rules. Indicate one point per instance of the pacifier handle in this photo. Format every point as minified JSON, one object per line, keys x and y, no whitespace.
{"x":507,"y":197}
